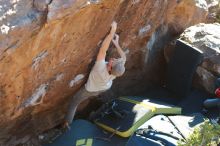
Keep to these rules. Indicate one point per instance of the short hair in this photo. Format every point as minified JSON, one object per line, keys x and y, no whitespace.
{"x":118,"y":68}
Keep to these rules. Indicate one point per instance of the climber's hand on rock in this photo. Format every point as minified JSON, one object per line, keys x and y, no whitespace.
{"x":114,"y":27}
{"x":115,"y":40}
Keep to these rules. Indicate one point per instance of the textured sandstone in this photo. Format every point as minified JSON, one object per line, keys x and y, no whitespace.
{"x":19,"y":20}
{"x":47,"y":49}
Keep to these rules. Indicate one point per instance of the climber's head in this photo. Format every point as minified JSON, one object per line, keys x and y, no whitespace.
{"x":116,"y":67}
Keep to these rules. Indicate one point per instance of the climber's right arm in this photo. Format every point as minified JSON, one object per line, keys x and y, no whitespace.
{"x":105,"y":45}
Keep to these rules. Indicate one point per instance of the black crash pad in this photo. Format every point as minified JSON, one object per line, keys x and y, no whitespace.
{"x":84,"y":133}
{"x":181,"y":68}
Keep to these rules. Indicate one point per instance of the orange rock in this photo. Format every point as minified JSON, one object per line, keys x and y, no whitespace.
{"x":69,"y":32}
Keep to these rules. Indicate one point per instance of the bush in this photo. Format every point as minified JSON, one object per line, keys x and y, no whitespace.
{"x":218,"y":14}
{"x":207,"y":134}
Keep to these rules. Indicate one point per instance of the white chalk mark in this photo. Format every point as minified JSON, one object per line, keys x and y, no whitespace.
{"x":37,"y":96}
{"x":39,"y":57}
{"x":144,"y":30}
{"x":127,"y":51}
{"x":4,"y":29}
{"x":76,"y":80}
{"x":59,"y":77}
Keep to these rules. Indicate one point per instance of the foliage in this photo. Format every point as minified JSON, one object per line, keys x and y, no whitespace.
{"x":218,"y":14}
{"x":218,"y":18}
{"x":207,"y":134}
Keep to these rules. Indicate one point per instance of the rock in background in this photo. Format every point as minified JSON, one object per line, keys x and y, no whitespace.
{"x":206,"y":37}
{"x":48,"y":47}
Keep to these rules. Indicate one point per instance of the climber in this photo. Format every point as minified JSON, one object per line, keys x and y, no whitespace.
{"x":101,"y":75}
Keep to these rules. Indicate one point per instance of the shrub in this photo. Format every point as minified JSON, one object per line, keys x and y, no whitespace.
{"x":207,"y":134}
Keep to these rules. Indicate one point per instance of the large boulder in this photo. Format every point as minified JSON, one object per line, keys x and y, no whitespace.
{"x":206,"y":37}
{"x":47,"y":48}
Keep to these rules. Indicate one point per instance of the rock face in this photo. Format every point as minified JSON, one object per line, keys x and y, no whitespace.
{"x":47,"y":48}
{"x":18,"y":21}
{"x":206,"y":37}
